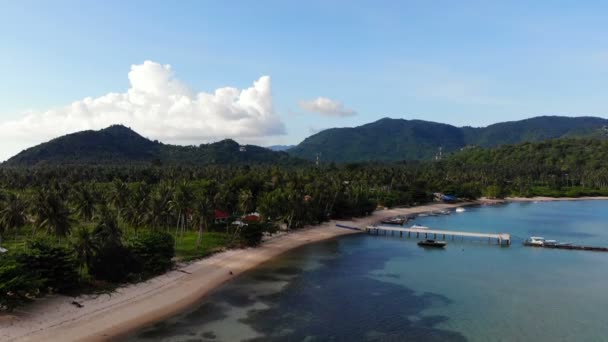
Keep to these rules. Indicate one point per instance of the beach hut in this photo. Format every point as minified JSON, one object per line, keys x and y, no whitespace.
{"x":220,"y":216}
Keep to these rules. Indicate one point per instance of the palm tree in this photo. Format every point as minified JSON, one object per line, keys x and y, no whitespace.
{"x":119,"y":194}
{"x":203,"y":214}
{"x":85,"y":203}
{"x":157,"y":211}
{"x":13,"y":214}
{"x":246,"y":201}
{"x":108,"y":230}
{"x":182,"y":198}
{"x":85,"y":248}
{"x":52,"y":214}
{"x":137,"y":206}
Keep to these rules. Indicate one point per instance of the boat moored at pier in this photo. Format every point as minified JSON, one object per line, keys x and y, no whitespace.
{"x":432,"y":243}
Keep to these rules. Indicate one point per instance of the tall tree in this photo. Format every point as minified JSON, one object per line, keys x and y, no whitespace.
{"x":52,"y":214}
{"x":84,"y":245}
{"x":203,"y":214}
{"x":85,"y":201}
{"x":246,"y":201}
{"x":182,"y":199}
{"x":12,"y":215}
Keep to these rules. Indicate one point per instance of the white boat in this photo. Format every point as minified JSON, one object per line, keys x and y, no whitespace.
{"x":416,"y":226}
{"x":460,"y":210}
{"x":535,"y":241}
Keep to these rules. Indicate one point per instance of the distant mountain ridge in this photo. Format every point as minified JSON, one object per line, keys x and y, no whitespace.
{"x":399,"y":139}
{"x":383,"y":140}
{"x":118,"y":144}
{"x":279,"y":147}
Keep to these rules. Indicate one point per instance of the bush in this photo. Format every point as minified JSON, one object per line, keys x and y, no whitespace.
{"x":251,"y":235}
{"x":114,"y":263}
{"x":54,"y":264}
{"x":154,"y":252}
{"x":18,"y":284}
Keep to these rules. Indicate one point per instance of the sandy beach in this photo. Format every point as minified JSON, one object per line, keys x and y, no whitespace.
{"x":105,"y":316}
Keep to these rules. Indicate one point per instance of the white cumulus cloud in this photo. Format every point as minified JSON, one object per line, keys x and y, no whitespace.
{"x":328,"y":107}
{"x":158,"y":106}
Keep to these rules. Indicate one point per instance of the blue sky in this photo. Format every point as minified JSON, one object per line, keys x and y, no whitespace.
{"x":459,"y":62}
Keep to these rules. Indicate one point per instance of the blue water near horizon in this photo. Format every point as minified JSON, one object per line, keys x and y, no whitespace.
{"x":376,"y":288}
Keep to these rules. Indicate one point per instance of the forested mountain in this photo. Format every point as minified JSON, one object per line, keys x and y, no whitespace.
{"x":535,"y":129}
{"x":384,"y":140}
{"x":398,"y":139}
{"x":520,"y":169}
{"x":118,"y":144}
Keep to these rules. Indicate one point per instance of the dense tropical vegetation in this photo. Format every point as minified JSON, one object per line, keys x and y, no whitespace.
{"x":72,"y":227}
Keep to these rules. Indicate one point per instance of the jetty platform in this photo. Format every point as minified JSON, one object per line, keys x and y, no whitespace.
{"x":573,"y":247}
{"x":429,"y":233}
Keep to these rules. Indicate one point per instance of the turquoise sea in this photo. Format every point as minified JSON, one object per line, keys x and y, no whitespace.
{"x":370,"y":288}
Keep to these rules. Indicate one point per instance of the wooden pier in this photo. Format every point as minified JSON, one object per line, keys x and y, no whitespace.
{"x":500,"y":239}
{"x":572,"y":247}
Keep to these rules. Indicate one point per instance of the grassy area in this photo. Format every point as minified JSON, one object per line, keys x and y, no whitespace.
{"x":212,"y":241}
{"x":185,"y":250}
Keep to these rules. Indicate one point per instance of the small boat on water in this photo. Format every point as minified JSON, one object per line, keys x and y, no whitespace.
{"x":417,"y":226}
{"x":394,"y":220}
{"x":432,"y":243}
{"x":550,"y":243}
{"x":445,"y":212}
{"x":460,"y":210}
{"x":535,"y":241}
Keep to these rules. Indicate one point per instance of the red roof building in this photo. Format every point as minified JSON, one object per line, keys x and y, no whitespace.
{"x":221,"y":216}
{"x":251,"y":218}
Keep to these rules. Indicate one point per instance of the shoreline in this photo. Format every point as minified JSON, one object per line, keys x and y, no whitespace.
{"x":133,"y":306}
{"x":107,"y":316}
{"x":555,"y":199}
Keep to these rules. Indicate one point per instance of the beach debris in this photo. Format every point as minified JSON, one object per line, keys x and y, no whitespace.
{"x":76,"y":304}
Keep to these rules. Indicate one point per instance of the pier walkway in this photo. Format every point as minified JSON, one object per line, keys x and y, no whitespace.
{"x":499,"y":238}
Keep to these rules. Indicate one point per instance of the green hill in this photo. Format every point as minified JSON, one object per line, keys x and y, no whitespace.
{"x":563,"y":155}
{"x":121,"y":145}
{"x":398,"y":139}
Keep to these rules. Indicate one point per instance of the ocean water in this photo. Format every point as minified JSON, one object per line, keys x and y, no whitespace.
{"x":377,"y":288}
